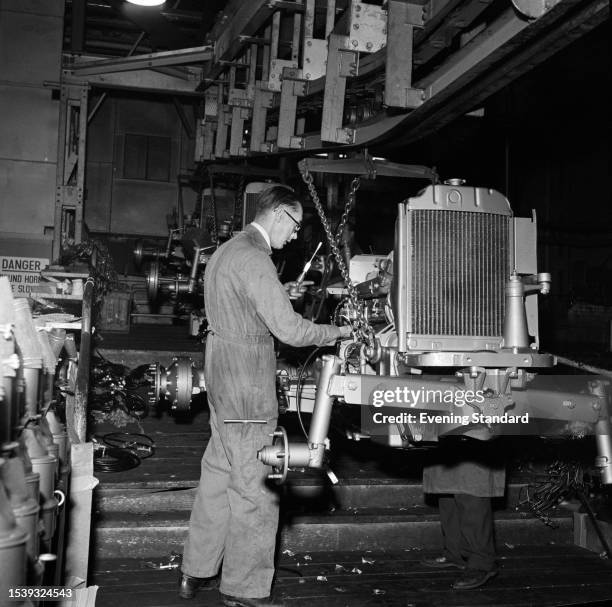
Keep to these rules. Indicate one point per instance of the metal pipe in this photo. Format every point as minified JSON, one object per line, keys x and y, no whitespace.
{"x":400,"y":270}
{"x":77,"y":422}
{"x":31,"y":376}
{"x":321,"y":413}
{"x":515,"y":320}
{"x":13,"y":555}
{"x":603,"y":434}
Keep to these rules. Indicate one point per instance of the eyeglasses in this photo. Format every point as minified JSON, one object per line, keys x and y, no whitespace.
{"x":298,"y":224}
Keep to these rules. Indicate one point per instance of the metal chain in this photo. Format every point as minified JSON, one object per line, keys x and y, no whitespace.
{"x":362,"y":329}
{"x":213,"y":204}
{"x":238,"y":203}
{"x":202,"y":208}
{"x":350,"y":203}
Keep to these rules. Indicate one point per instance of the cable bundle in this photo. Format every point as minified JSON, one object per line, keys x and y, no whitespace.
{"x":563,"y":480}
{"x":119,"y":451}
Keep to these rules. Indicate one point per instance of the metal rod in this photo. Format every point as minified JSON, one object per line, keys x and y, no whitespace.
{"x":245,"y":421}
{"x":77,"y":423}
{"x":582,"y":366}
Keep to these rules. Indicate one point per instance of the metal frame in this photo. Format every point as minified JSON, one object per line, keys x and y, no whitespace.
{"x":70,"y":173}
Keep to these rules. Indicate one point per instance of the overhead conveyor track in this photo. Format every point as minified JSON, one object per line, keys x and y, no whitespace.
{"x":295,"y":76}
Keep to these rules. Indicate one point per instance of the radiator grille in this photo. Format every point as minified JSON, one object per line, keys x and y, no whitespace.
{"x":249,"y":210}
{"x":459,"y":268}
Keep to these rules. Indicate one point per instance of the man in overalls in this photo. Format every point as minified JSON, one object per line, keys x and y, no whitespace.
{"x":235,"y":515}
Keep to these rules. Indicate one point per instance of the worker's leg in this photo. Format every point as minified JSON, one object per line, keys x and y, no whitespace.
{"x":248,"y":566}
{"x":476,"y":516}
{"x":210,"y":516}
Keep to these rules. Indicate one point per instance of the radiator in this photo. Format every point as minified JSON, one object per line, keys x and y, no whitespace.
{"x":454,"y":252}
{"x":251,"y":193}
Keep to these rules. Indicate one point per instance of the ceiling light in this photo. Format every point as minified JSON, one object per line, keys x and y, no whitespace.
{"x":147,"y":2}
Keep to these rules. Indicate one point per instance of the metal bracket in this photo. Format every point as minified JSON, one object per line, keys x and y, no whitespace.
{"x":262,"y":102}
{"x":340,"y":65}
{"x":276,"y":72}
{"x":241,"y":105}
{"x":292,"y":87}
{"x":367,"y":27}
{"x":403,"y":18}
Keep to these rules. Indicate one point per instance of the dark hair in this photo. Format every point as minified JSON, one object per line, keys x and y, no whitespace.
{"x":274,"y":197}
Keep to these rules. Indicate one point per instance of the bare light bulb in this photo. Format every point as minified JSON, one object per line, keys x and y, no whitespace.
{"x":147,"y":2}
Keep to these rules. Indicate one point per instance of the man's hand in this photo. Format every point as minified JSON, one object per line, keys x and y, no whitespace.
{"x":346,"y":331}
{"x":297,"y":289}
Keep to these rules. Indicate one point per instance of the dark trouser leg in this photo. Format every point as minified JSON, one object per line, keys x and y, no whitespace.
{"x":477,"y":543}
{"x":451,"y":528}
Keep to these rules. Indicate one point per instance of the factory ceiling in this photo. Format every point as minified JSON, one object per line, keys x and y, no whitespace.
{"x":288,"y":76}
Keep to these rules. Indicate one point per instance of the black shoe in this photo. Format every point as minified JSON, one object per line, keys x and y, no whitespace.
{"x":473,"y":578}
{"x":188,"y":585}
{"x":236,"y":601}
{"x":441,"y":562}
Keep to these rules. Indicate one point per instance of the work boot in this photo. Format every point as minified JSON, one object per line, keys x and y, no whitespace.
{"x":189,"y":585}
{"x":473,"y":578}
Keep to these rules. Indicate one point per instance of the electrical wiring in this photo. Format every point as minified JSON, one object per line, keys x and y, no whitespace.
{"x":141,"y":444}
{"x":114,"y":459}
{"x":120,"y":451}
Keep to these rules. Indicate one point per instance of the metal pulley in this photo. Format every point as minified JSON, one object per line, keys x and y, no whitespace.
{"x":152,"y":281}
{"x":142,"y":252}
{"x":157,"y":284}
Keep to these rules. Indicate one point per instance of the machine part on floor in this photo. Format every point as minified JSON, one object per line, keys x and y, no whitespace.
{"x":177,"y":384}
{"x":115,"y":387}
{"x":114,"y":459}
{"x":140,"y":444}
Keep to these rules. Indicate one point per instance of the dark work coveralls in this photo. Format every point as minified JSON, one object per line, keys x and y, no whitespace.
{"x":235,"y":515}
{"x":467,"y":475}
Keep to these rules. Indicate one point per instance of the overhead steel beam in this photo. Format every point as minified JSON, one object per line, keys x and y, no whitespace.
{"x":146,"y":81}
{"x":197,"y":54}
{"x":237,"y":30}
{"x":510,"y":47}
{"x":538,"y":41}
{"x":369,"y":167}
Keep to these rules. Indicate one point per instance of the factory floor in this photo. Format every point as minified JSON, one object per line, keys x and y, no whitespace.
{"x":359,"y":544}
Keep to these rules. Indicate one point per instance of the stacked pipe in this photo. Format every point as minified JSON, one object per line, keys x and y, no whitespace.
{"x":46,"y":465}
{"x":26,"y":511}
{"x":9,"y":363}
{"x":33,"y":440}
{"x":13,"y":550}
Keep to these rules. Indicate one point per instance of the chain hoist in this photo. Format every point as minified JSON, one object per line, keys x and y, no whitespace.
{"x":361,"y":327}
{"x":238,"y":203}
{"x":213,"y":204}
